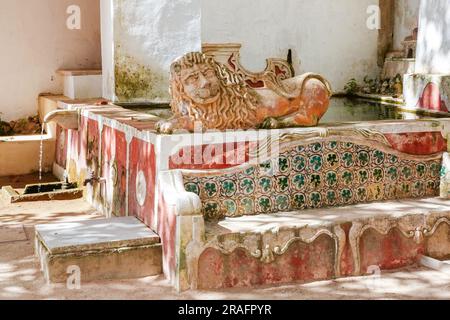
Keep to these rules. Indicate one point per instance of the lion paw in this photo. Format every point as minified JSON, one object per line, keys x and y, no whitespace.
{"x":270,"y":123}
{"x":164,"y":127}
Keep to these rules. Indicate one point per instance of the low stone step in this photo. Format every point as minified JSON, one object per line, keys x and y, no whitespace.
{"x":119,"y":248}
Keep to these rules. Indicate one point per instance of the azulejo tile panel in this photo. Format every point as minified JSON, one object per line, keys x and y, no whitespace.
{"x":329,"y":173}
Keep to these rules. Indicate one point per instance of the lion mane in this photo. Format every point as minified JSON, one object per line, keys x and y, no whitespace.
{"x":237,"y":103}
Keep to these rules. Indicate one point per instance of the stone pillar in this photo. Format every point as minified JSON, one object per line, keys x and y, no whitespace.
{"x":386,"y":32}
{"x":429,"y":87}
{"x":140,"y":39}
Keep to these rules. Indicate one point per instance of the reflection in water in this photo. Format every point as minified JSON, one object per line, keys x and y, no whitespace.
{"x":341,"y":110}
{"x":345,"y":109}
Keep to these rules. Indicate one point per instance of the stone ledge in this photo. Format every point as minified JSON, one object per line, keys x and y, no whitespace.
{"x":9,"y":195}
{"x":120,"y":248}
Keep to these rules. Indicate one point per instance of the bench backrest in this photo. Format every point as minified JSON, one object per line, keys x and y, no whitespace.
{"x":315,"y":173}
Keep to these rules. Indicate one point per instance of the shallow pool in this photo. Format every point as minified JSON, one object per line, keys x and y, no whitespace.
{"x":354,"y":109}
{"x":340,"y":110}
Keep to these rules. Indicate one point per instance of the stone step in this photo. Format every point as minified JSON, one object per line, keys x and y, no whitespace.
{"x":119,"y":248}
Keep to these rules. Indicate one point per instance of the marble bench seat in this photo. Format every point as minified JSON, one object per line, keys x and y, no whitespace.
{"x":210,"y":244}
{"x":319,"y":244}
{"x":205,"y":252}
{"x":328,"y":217}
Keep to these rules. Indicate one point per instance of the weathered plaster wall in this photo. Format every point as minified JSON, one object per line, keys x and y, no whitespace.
{"x":328,"y":37}
{"x":147,"y":35}
{"x":406,"y":19}
{"x":107,"y":39}
{"x":433,"y":46}
{"x":35,"y":42}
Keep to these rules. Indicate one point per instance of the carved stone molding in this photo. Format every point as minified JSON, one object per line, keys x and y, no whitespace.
{"x":275,"y":72}
{"x":407,"y":225}
{"x":267,"y":252}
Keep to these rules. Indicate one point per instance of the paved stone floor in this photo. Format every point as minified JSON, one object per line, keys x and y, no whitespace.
{"x":20,"y":277}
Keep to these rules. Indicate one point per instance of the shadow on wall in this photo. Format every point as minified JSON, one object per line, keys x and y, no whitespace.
{"x":433,"y":48}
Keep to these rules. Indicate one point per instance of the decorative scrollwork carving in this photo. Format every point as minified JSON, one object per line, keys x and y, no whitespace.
{"x":384,"y":226}
{"x":267,"y":254}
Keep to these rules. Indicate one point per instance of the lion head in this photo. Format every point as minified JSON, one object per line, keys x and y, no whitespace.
{"x":208,"y":92}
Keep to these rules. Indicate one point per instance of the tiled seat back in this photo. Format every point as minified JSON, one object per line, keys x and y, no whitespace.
{"x":320,"y":174}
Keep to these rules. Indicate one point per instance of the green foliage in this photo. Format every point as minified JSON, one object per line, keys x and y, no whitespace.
{"x":5,"y":129}
{"x":351,"y":87}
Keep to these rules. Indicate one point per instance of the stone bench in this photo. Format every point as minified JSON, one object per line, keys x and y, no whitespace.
{"x":307,"y":245}
{"x":321,"y":209}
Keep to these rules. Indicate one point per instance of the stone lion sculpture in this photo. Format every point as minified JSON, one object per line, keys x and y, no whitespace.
{"x":206,"y":92}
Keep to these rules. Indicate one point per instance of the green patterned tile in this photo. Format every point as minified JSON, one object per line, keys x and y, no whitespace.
{"x":347,"y":177}
{"x":247,"y":205}
{"x":378,"y":157}
{"x":282,"y":202}
{"x":316,"y":199}
{"x":265,"y":184}
{"x":299,"y":201}
{"x":211,"y":189}
{"x":347,"y":159}
{"x":265,"y":204}
{"x":331,"y":178}
{"x":229,"y":188}
{"x":316,"y":175}
{"x":316,"y":162}
{"x":230,"y":207}
{"x":283,"y":164}
{"x":192,"y":187}
{"x":378,"y":174}
{"x":247,"y":186}
{"x":331,"y":197}
{"x":332,"y":160}
{"x":282,"y":183}
{"x":299,"y":181}
{"x":299,"y":163}
{"x":363,"y":158}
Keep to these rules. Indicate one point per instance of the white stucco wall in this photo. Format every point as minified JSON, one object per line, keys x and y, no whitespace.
{"x":406,"y":19}
{"x":35,"y":42}
{"x":107,"y":39}
{"x":433,"y":46}
{"x":327,"y":36}
{"x":147,"y":35}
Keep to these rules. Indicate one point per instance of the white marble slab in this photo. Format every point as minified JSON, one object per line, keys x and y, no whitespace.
{"x":88,"y":235}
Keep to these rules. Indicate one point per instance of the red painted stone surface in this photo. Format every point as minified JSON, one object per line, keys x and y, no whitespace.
{"x":214,"y":156}
{"x":301,"y":262}
{"x":78,"y":142}
{"x":114,"y":162}
{"x":346,"y":263}
{"x":167,"y":226}
{"x":61,"y":146}
{"x":431,"y":98}
{"x":438,"y":245}
{"x":389,"y":251}
{"x":418,"y":143}
{"x":142,"y":158}
{"x":90,"y":145}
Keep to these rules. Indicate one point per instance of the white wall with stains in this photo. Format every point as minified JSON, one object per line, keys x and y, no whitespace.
{"x":433,"y":43}
{"x":406,"y":19}
{"x":35,"y":42}
{"x":330,"y":37}
{"x":146,"y":36}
